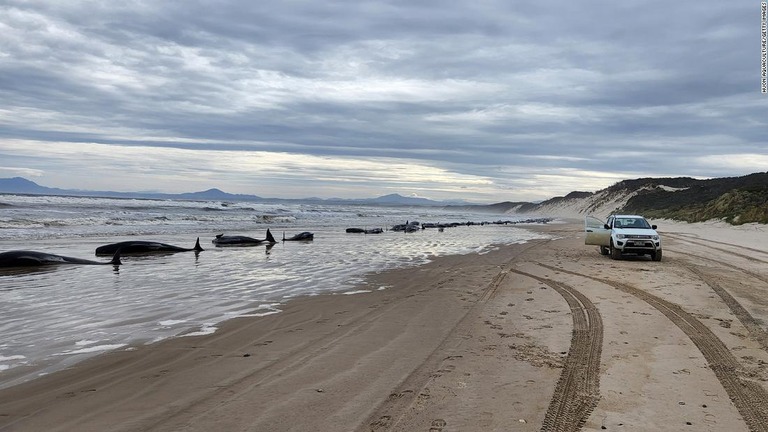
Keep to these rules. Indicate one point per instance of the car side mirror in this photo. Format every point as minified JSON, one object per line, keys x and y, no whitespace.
{"x":606,"y":226}
{"x":653,"y":226}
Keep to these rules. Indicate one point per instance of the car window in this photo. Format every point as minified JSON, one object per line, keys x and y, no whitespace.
{"x":638,"y":223}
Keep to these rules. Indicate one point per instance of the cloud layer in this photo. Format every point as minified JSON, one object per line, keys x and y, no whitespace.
{"x":486,"y":101}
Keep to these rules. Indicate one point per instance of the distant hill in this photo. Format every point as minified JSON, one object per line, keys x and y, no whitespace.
{"x":215,"y":194}
{"x":24,"y":186}
{"x":19,"y":185}
{"x":736,"y":200}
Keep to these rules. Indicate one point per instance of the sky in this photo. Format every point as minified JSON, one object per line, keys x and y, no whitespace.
{"x":481,"y":100}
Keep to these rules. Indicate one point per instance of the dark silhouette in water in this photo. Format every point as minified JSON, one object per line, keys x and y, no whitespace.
{"x":222,"y":240}
{"x":365,"y":231}
{"x":304,"y":236}
{"x":140,"y":246}
{"x":21,"y":258}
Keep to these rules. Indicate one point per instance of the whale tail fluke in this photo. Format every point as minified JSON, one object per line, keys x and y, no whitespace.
{"x":283,"y":235}
{"x":116,"y":258}
{"x":270,"y":238}
{"x":197,"y":247}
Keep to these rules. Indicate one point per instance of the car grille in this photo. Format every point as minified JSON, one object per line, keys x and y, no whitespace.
{"x":638,"y":236}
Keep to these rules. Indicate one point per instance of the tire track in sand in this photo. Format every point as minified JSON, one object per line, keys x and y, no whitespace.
{"x":749,"y":397}
{"x":708,"y":244}
{"x":413,"y":391}
{"x":747,"y":320}
{"x":724,"y":264}
{"x":397,"y":406}
{"x":578,"y":389}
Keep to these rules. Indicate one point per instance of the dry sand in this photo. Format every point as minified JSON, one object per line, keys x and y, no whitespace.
{"x":549,"y":335}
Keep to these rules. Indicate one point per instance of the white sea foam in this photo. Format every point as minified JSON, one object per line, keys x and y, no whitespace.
{"x":356,"y":292}
{"x":266,"y":309}
{"x":258,"y":314}
{"x":13,"y":357}
{"x":92,"y":349}
{"x":204,"y":330}
{"x":170,"y":323}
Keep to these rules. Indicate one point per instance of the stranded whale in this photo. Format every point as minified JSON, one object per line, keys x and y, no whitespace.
{"x":22,"y":258}
{"x":222,"y":240}
{"x":139,"y":246}
{"x":304,"y":236}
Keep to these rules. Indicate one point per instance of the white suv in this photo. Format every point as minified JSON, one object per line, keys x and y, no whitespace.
{"x":620,"y":234}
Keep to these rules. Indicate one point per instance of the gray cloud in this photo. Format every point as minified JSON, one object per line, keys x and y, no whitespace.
{"x":487,"y":96}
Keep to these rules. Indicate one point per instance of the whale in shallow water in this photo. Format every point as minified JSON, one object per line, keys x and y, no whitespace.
{"x":223,"y":240}
{"x":22,"y":258}
{"x":140,"y":246}
{"x":304,"y":236}
{"x":365,"y":230}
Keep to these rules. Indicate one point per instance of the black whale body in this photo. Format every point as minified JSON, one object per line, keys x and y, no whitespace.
{"x":23,"y":258}
{"x":224,"y":240}
{"x":140,"y":246}
{"x":304,"y":236}
{"x":365,"y":231}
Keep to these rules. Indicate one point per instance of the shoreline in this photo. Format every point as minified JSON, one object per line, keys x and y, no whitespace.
{"x":326,"y":314}
{"x":25,"y":372}
{"x":465,"y":342}
{"x":68,"y":310}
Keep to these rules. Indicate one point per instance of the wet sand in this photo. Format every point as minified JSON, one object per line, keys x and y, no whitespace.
{"x":548,"y":335}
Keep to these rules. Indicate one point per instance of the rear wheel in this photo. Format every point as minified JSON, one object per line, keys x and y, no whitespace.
{"x":615,"y":253}
{"x":604,"y":250}
{"x":656,"y":256}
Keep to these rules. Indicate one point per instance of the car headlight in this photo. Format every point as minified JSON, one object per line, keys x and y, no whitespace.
{"x":655,"y":237}
{"x":621,"y":236}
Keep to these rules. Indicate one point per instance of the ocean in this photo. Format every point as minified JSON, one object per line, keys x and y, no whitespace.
{"x":53,"y":317}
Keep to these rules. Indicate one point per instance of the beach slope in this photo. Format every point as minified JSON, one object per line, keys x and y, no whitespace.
{"x":548,"y":335}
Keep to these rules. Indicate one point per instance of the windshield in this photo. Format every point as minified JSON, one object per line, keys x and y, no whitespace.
{"x":638,"y":223}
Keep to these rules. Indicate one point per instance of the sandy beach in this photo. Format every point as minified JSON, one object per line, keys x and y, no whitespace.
{"x":547,"y":335}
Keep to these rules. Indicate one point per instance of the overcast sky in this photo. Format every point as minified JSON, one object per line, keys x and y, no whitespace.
{"x":484,"y":100}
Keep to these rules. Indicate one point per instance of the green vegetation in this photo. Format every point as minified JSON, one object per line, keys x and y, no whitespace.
{"x":736,"y":200}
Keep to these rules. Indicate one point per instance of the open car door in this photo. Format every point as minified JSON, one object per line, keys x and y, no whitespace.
{"x":596,"y":233}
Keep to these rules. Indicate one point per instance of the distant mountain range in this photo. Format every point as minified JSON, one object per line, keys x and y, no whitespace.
{"x":20,"y":185}
{"x":736,"y":200}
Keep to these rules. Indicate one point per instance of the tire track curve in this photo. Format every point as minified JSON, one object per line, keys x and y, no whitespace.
{"x":747,"y":320}
{"x":394,"y":410}
{"x":724,"y":264}
{"x":578,"y":389}
{"x":708,"y":244}
{"x":749,"y":397}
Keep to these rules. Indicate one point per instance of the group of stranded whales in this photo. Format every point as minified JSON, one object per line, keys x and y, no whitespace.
{"x":417,"y":226}
{"x":25,"y":258}
{"x":224,"y":240}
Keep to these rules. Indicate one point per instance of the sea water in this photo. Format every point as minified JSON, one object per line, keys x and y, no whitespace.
{"x":52,"y":317}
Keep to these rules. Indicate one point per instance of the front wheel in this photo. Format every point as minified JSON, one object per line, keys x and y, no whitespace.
{"x":604,"y":250}
{"x":615,"y":253}
{"x":656,"y":256}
